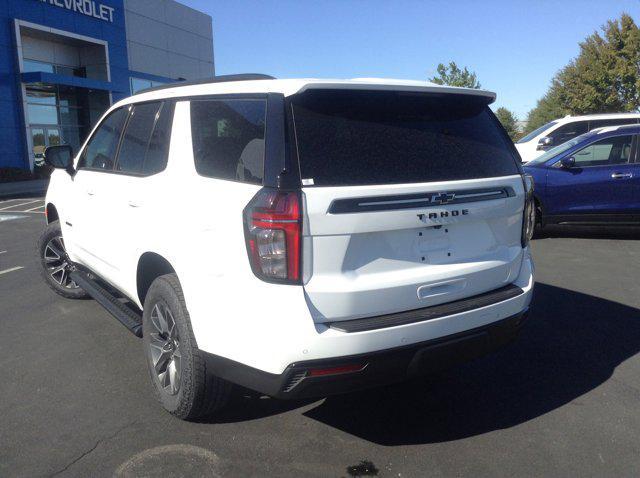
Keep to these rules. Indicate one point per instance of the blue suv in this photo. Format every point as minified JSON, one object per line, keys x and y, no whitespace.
{"x":591,"y":179}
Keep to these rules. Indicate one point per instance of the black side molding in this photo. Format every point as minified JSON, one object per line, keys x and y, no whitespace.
{"x":126,"y":316}
{"x":428,"y":313}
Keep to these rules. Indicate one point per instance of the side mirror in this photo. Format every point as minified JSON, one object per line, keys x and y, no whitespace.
{"x":568,"y":162}
{"x":544,"y":143}
{"x":60,"y":157}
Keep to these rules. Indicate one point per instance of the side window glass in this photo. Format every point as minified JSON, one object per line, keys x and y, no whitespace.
{"x":568,"y":131}
{"x":228,"y":138}
{"x":611,"y":122}
{"x":101,"y":150}
{"x":609,"y":151}
{"x":158,"y":151}
{"x":136,"y":137}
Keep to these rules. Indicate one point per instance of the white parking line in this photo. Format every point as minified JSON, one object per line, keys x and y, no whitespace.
{"x":11,"y":270}
{"x":16,"y":199}
{"x":12,"y":217}
{"x":33,"y":208}
{"x":18,"y":205}
{"x":18,"y":212}
{"x":2,"y":252}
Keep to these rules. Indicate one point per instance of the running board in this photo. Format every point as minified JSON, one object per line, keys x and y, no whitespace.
{"x":127,"y":317}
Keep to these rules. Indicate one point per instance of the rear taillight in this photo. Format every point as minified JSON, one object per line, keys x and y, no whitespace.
{"x":273,"y":227}
{"x":529,"y":217}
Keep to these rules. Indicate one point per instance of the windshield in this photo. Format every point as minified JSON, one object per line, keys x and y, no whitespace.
{"x":349,"y":137}
{"x":561,"y":148}
{"x":536,"y":132}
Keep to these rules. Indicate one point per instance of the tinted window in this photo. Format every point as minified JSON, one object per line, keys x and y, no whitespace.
{"x":611,"y":122}
{"x":568,"y":131}
{"x":158,"y":151}
{"x":228,"y":138}
{"x":608,"y":151}
{"x":136,"y":137}
{"x":374,"y":137}
{"x":145,"y":143}
{"x":536,"y":132}
{"x":101,"y":149}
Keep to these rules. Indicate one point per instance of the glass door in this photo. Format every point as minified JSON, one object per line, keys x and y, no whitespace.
{"x":41,"y":137}
{"x":39,"y":143}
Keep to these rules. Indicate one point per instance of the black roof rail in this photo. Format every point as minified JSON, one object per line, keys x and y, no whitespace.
{"x":215,"y":79}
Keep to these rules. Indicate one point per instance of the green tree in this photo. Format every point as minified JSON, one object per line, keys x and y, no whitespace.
{"x":508,"y":120}
{"x":603,"y":78}
{"x":452,"y":75}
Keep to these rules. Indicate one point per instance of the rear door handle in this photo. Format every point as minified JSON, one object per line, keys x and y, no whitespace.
{"x":621,"y":175}
{"x":134,"y":203}
{"x":90,"y":193}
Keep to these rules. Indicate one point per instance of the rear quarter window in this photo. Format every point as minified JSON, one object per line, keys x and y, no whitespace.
{"x":228,"y":138}
{"x":372,"y":137}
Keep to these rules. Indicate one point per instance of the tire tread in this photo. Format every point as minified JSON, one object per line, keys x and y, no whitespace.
{"x":203,"y":393}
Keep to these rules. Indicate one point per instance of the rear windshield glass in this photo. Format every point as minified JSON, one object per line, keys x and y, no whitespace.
{"x":377,"y":137}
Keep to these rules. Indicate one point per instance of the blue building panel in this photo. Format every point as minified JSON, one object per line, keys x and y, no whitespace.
{"x":6,"y":32}
{"x":33,"y":11}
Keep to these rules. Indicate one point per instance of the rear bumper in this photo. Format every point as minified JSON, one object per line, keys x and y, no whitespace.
{"x":283,"y":333}
{"x":375,"y":368}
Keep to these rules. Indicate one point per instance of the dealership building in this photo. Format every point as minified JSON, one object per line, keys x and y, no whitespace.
{"x":63,"y":62}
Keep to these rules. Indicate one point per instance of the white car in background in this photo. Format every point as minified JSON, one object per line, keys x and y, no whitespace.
{"x":564,"y":129}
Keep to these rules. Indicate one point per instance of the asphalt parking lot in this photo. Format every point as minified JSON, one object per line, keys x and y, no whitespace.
{"x":563,"y":400}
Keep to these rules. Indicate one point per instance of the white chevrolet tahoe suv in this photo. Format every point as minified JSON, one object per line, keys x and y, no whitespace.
{"x":298,"y":237}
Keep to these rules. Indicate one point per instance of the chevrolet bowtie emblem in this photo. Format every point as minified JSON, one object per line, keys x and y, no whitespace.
{"x":442,"y":198}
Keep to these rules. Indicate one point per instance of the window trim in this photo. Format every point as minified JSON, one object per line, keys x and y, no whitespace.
{"x":236,"y":96}
{"x":635,"y":154}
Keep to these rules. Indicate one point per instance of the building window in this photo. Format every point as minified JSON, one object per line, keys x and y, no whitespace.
{"x":62,"y":114}
{"x":65,"y":70}
{"x":139,"y":84}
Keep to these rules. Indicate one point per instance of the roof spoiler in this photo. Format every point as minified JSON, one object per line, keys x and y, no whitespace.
{"x":409,"y":86}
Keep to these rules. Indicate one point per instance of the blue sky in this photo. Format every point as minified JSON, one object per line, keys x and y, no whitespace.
{"x":515,"y":47}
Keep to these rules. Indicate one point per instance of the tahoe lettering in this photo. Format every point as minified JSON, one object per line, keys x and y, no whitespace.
{"x":436,"y":215}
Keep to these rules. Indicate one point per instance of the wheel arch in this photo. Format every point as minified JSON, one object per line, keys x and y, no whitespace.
{"x":151,"y":265}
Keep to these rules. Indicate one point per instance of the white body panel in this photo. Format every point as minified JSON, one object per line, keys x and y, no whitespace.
{"x":196,"y":224}
{"x":376,"y":263}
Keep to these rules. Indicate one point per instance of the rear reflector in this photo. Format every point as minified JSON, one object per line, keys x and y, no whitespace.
{"x":351,"y":368}
{"x":299,"y":376}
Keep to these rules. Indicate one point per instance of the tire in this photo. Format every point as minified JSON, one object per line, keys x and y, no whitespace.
{"x":182,"y":383}
{"x":539,"y":229}
{"x":55,"y":264}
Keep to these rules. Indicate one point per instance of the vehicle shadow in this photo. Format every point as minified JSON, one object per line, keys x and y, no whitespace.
{"x":246,"y":405}
{"x":572,"y":344}
{"x":589,"y":232}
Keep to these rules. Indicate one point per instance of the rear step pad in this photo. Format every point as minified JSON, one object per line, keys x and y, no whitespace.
{"x":127,"y":317}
